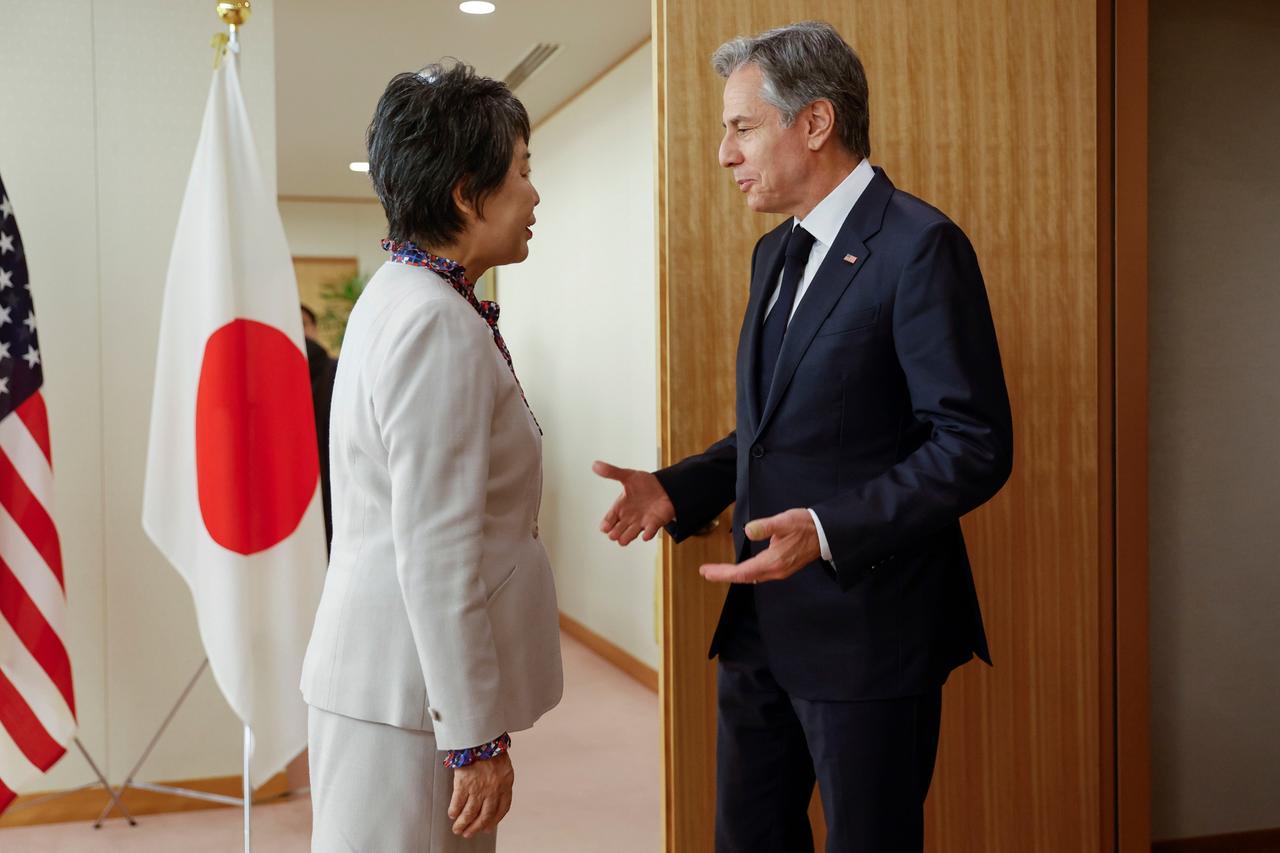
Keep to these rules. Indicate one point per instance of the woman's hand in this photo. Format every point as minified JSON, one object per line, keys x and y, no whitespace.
{"x":481,"y":795}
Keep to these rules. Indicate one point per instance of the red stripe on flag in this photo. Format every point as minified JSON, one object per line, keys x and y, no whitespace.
{"x":36,"y":416}
{"x":30,"y":515}
{"x":26,"y":731}
{"x":17,"y":608}
{"x":6,"y":797}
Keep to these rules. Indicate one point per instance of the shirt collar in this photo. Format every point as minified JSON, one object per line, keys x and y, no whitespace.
{"x":413,"y":255}
{"x":825,"y":220}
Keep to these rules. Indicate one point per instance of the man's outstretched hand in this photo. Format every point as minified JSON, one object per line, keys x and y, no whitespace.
{"x":793,"y":544}
{"x":642,"y":509}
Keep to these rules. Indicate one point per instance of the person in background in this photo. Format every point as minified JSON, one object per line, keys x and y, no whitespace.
{"x":438,"y":631}
{"x":310,"y":326}
{"x":321,"y":366}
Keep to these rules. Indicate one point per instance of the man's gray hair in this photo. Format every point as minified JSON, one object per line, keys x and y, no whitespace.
{"x":802,"y":63}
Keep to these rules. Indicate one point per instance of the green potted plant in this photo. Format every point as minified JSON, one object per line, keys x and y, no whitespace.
{"x":339,"y":297}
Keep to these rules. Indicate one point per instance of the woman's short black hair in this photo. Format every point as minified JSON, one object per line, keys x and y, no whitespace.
{"x":431,"y":130}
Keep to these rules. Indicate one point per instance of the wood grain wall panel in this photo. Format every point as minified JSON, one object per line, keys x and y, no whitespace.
{"x":988,"y":110}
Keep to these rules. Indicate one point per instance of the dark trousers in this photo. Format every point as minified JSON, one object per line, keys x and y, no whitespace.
{"x":873,"y":760}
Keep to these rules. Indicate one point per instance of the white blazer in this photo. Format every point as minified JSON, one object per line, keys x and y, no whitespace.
{"x":439,"y":608}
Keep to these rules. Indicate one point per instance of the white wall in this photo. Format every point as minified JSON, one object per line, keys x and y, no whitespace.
{"x":336,"y":229}
{"x":580,"y":317}
{"x":1215,"y":402}
{"x":100,"y":106}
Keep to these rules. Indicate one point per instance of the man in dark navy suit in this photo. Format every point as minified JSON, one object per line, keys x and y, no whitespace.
{"x":871,"y":415}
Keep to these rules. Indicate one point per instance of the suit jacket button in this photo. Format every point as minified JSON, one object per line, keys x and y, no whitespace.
{"x":757,"y":452}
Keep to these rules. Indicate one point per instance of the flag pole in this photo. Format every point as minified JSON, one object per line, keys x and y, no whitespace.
{"x":234,"y":13}
{"x":248,"y":790}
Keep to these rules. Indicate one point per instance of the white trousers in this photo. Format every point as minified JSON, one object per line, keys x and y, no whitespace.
{"x":380,"y":789}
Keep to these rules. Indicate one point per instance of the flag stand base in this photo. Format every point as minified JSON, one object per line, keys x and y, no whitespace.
{"x":245,"y":801}
{"x":102,"y":783}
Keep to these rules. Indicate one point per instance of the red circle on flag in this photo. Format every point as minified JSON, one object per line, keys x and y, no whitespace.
{"x":256,"y":459}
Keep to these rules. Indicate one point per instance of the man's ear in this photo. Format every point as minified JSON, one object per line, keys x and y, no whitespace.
{"x":820,"y":117}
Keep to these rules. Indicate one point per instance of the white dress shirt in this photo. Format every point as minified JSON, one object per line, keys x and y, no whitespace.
{"x":824,"y":223}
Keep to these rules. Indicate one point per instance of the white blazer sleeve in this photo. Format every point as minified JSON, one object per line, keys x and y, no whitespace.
{"x":434,"y":401}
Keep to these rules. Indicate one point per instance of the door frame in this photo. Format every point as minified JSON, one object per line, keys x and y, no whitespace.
{"x":1126,"y":279}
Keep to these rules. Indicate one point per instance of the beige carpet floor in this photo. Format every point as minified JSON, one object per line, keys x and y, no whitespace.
{"x":587,"y":781}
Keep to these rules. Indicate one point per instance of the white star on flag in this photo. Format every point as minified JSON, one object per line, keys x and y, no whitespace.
{"x":4,"y":316}
{"x":6,"y":209}
{"x":4,"y":350}
{"x":6,"y":279}
{"x":32,"y":357}
{"x":30,"y":322}
{"x":4,"y":384}
{"x":6,"y":243}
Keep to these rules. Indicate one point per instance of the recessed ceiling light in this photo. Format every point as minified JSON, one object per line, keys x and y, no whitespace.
{"x":359,"y":167}
{"x":476,"y":7}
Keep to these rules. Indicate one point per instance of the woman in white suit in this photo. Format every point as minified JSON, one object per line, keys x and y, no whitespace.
{"x":437,"y":634}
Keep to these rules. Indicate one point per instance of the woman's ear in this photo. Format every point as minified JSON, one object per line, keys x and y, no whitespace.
{"x":467,"y":208}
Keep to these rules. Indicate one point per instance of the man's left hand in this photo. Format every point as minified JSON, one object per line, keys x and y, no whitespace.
{"x":793,"y":544}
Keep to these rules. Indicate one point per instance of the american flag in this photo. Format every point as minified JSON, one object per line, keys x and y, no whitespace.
{"x":37,"y":704}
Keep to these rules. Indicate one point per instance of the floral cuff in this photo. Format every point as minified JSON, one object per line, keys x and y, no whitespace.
{"x":462,"y":757}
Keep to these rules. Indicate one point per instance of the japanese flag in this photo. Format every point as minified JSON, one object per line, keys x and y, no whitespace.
{"x":231,"y":493}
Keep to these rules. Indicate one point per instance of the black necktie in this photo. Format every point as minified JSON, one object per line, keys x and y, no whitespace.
{"x":799,"y":242}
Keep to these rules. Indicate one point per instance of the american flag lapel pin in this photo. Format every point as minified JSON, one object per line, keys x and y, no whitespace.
{"x":850,"y":259}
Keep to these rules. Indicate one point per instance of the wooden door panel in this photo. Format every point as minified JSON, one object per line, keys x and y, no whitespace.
{"x":988,"y":110}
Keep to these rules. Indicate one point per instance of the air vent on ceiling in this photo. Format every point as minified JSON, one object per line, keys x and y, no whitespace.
{"x":532,"y":61}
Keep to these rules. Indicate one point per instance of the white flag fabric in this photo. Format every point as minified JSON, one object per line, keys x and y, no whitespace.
{"x":231,"y":493}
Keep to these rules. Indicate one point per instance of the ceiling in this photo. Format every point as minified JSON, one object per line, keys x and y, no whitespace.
{"x":334,"y":58}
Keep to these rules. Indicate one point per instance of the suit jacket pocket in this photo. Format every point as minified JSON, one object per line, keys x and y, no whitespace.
{"x":849,"y":321}
{"x":502,"y":585}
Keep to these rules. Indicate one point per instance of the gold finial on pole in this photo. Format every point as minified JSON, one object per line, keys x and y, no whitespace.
{"x":233,"y":13}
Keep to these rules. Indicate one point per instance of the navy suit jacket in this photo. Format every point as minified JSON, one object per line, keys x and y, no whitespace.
{"x":888,"y":416}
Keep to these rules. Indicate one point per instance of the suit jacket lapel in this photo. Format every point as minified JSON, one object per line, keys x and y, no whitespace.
{"x":829,"y":284}
{"x":768,"y":268}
